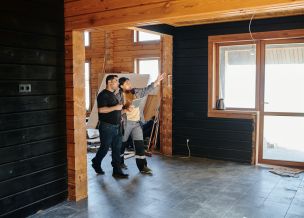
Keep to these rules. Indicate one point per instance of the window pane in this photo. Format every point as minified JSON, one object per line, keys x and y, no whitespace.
{"x":280,"y":143}
{"x":150,"y":67}
{"x":86,"y":38}
{"x":143,"y":36}
{"x":284,"y":78}
{"x":237,"y":75}
{"x":87,"y":84}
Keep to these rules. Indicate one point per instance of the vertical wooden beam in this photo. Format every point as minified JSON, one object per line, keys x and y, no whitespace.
{"x":166,"y":97}
{"x":75,"y":115}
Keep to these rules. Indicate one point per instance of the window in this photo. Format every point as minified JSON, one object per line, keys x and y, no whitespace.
{"x":87,"y":84}
{"x":86,"y":39}
{"x":148,"y":66}
{"x":237,"y":75}
{"x":241,"y":66}
{"x":140,"y":36}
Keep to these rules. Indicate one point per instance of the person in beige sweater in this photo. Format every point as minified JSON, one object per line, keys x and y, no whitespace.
{"x":132,"y":118}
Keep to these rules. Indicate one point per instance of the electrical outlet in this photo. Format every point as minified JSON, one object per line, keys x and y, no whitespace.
{"x":25,"y":88}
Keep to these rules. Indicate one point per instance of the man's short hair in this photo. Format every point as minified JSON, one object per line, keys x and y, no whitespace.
{"x":110,"y":77}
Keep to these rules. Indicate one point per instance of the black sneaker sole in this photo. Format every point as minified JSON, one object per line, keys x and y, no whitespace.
{"x":120,"y":176}
{"x":98,"y":171}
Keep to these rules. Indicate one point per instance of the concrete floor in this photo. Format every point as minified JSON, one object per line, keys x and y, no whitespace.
{"x":193,"y":187}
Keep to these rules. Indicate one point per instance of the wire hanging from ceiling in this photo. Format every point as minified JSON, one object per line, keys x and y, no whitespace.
{"x":252,"y":51}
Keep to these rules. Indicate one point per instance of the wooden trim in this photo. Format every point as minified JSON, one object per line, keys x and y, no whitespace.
{"x":290,"y":114}
{"x":215,"y":75}
{"x":233,"y":114}
{"x":270,"y":35}
{"x":147,"y":58}
{"x":262,"y":97}
{"x":84,"y":14}
{"x":238,"y":39}
{"x":263,"y":113}
{"x":282,"y":163}
{"x":166,"y":96}
{"x":75,"y":111}
{"x":149,"y":42}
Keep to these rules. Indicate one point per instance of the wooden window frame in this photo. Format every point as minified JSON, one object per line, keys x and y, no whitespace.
{"x":136,"y":41}
{"x":90,"y":90}
{"x":90,"y":41}
{"x":217,"y":70}
{"x":136,"y":63}
{"x":262,"y":110}
{"x":238,"y":39}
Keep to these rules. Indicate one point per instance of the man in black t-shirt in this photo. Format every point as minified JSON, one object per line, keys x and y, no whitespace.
{"x":109,"y":113}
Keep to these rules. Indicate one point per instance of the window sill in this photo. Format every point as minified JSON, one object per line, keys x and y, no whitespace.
{"x":238,"y":114}
{"x":150,"y":42}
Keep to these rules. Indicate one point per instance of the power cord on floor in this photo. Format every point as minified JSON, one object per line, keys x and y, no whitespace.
{"x":189,"y":152}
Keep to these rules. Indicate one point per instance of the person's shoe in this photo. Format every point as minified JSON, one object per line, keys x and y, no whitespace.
{"x":97,"y":169}
{"x":124,"y":166}
{"x":146,"y":170}
{"x":120,"y":175}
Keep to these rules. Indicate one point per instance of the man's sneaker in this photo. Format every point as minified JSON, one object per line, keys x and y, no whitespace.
{"x":124,"y":166}
{"x":120,"y":175}
{"x":146,"y":170}
{"x":97,"y":169}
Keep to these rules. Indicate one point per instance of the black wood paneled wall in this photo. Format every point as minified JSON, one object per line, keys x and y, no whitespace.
{"x":226,"y":139}
{"x":33,"y":171}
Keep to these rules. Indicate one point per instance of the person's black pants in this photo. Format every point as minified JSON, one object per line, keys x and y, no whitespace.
{"x":110,"y":135}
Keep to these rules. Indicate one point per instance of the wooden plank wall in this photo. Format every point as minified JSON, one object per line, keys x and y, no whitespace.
{"x":101,"y":44}
{"x":126,"y":51}
{"x":33,"y":170}
{"x":166,"y":97}
{"x":121,"y":52}
{"x":112,"y":13}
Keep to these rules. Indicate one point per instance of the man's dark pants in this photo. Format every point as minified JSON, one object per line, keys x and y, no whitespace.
{"x":110,"y":135}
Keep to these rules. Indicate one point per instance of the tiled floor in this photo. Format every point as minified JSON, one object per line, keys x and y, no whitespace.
{"x":193,"y":187}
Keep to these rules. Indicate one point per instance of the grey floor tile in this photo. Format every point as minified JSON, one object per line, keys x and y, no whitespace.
{"x":181,"y":188}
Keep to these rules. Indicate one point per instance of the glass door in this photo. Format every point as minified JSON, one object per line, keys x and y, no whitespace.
{"x":282,"y":112}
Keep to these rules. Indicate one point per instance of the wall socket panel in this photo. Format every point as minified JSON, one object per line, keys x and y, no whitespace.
{"x":25,"y":88}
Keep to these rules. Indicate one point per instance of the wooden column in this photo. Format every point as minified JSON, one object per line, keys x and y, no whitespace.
{"x":166,"y":97}
{"x":75,"y":115}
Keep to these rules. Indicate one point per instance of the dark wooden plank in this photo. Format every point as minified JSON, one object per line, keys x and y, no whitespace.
{"x":30,"y":119}
{"x":31,"y":196}
{"x":28,"y":24}
{"x":31,"y":56}
{"x":218,"y":154}
{"x":34,"y":9}
{"x":32,"y":134}
{"x":33,"y":170}
{"x":28,"y":166}
{"x":214,"y":134}
{"x":30,"y":40}
{"x":218,"y":143}
{"x":30,"y":72}
{"x":29,"y":103}
{"x":13,"y":187}
{"x":11,"y":88}
{"x":29,"y":150}
{"x":38,"y":205}
{"x":212,"y":124}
